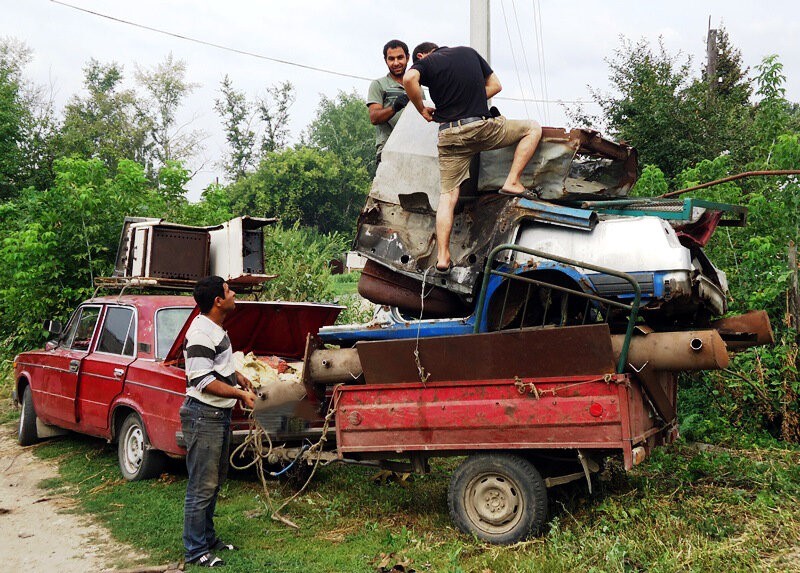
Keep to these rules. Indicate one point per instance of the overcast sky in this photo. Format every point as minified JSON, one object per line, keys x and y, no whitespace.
{"x":347,"y":36}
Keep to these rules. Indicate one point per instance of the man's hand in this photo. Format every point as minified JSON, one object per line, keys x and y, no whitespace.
{"x":427,"y":113}
{"x":244,"y":381}
{"x":400,"y":102}
{"x":247,"y":398}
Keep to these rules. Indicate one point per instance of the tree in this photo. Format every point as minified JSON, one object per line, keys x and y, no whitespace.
{"x":108,"y":122}
{"x":237,"y":115}
{"x":673,"y":119}
{"x":342,"y":127}
{"x":54,"y":242}
{"x":274,"y":112}
{"x":648,"y":112}
{"x":167,"y":87}
{"x":313,"y":187}
{"x":11,"y":115}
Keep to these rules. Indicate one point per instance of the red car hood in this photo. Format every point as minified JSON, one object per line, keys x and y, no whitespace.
{"x":268,"y":328}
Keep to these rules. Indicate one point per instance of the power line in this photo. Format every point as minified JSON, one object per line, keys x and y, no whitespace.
{"x":211,"y":44}
{"x":543,"y":116}
{"x":537,"y":17}
{"x":263,"y":57}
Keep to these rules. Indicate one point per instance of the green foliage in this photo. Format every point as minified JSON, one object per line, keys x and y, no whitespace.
{"x":651,"y":183}
{"x":235,"y":112}
{"x":274,"y":112}
{"x":166,"y":87}
{"x":300,"y":257}
{"x":54,"y":242}
{"x":672,"y":119}
{"x":213,"y":208}
{"x":342,"y":127}
{"x":312,"y":187}
{"x":109,"y":122}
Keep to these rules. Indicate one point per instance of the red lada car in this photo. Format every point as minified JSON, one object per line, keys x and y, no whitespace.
{"x":116,"y":370}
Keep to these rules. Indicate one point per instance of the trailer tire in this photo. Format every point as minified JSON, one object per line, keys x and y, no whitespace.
{"x":137,"y":459}
{"x":27,"y":434}
{"x":499,"y":498}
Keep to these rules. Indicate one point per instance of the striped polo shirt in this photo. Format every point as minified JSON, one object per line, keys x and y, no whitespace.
{"x":209,"y":357}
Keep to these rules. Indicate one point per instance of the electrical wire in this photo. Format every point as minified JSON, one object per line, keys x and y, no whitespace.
{"x":271,"y":59}
{"x":514,"y":59}
{"x":211,"y":44}
{"x":525,"y":57}
{"x":543,"y":61}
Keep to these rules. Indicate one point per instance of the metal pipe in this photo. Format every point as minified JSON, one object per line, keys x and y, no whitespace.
{"x":732,"y":178}
{"x":675,"y":351}
{"x":331,"y":366}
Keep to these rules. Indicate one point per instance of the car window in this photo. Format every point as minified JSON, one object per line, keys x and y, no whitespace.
{"x":79,"y":336}
{"x":168,"y":324}
{"x":118,"y":331}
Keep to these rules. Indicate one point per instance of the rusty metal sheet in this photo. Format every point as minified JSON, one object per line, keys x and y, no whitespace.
{"x":745,"y":330}
{"x":179,"y":253}
{"x":567,"y":351}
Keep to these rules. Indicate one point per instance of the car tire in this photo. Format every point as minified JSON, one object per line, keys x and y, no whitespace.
{"x":499,"y":498}
{"x":27,"y":434}
{"x":137,"y":459}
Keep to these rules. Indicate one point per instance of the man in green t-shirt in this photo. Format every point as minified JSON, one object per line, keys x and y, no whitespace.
{"x":387,"y":96}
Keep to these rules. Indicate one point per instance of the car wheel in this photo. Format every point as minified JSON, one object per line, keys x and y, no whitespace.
{"x":137,"y":459}
{"x":498,"y":498}
{"x":27,"y":434}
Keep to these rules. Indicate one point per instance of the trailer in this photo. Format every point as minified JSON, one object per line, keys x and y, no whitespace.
{"x":531,"y":407}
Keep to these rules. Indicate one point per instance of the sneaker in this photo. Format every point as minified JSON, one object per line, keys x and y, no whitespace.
{"x":207,"y":560}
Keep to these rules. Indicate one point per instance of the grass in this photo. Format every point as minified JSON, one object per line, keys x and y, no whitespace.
{"x":687,"y":508}
{"x":346,"y":283}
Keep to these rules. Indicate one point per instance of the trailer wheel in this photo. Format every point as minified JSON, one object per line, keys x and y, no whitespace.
{"x":26,"y":434}
{"x":137,"y":460}
{"x":499,"y":498}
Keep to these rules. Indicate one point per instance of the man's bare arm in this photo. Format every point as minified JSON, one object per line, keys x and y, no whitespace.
{"x":223,"y":390}
{"x":493,"y":86}
{"x":414,"y":92}
{"x":379,"y":114}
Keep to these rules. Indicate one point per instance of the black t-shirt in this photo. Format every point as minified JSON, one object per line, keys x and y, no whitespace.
{"x":456,"y":80}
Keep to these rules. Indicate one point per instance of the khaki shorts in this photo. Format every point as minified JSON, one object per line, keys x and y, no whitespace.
{"x":458,"y":145}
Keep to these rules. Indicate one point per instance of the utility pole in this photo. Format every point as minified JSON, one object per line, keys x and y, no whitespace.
{"x":479,"y":28}
{"x":712,"y":57}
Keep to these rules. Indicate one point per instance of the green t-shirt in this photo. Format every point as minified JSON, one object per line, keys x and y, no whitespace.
{"x":384,"y":91}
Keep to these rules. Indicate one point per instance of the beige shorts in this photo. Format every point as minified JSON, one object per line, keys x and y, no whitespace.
{"x":458,"y":145}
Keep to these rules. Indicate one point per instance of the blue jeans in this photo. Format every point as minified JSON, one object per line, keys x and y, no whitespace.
{"x":206,"y":430}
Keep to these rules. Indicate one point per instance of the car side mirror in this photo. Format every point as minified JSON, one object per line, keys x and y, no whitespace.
{"x":54,"y":327}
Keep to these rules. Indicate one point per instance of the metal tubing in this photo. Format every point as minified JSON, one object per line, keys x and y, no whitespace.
{"x":675,"y":351}
{"x":334,"y":365}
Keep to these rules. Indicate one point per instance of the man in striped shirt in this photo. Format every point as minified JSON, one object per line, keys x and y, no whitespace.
{"x":212,"y":389}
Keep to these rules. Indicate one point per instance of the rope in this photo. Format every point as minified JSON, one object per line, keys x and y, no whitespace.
{"x":423,"y":374}
{"x":530,"y":387}
{"x":254,"y":442}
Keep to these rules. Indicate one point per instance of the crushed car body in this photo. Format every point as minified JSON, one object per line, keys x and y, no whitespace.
{"x":582,"y":213}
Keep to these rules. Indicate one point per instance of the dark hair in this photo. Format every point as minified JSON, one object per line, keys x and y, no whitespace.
{"x":424,"y":48}
{"x":395,"y":44}
{"x":206,"y":292}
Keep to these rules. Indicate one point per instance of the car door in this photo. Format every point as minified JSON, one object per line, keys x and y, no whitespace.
{"x":60,"y":378}
{"x":103,"y":370}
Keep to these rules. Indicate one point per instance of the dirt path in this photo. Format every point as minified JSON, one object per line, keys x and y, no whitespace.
{"x":36,"y":533}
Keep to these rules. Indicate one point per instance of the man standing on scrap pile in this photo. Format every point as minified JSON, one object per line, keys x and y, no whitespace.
{"x":386,"y":97}
{"x":212,"y":389}
{"x":460,"y":81}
